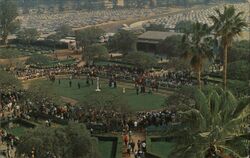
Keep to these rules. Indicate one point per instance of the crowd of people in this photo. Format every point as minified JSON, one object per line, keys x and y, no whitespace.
{"x":137,"y":149}
{"x":154,"y":118}
{"x":105,"y":119}
{"x":9,"y":106}
{"x":153,"y":81}
{"x":16,"y":104}
{"x":10,"y":141}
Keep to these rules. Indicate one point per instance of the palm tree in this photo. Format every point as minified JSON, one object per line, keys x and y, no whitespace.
{"x":197,"y":47}
{"x":215,"y":127}
{"x":227,"y":25}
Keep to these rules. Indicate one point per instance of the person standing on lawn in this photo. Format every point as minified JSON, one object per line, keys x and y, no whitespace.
{"x":70,"y":83}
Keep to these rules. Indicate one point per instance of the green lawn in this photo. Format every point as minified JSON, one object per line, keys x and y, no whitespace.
{"x":17,"y":131}
{"x":105,"y":63}
{"x":12,"y":53}
{"x":161,"y":148}
{"x":105,"y":148}
{"x":135,"y":102}
{"x":6,"y":53}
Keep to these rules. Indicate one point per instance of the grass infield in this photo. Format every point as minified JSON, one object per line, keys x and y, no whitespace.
{"x":135,"y":102}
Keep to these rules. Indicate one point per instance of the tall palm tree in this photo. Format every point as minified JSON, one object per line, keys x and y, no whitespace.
{"x":227,"y":25}
{"x":197,"y":47}
{"x":214,"y":128}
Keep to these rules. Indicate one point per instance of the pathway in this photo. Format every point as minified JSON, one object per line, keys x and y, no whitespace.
{"x":135,"y":137}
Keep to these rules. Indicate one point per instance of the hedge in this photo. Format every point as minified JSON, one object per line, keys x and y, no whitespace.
{"x":23,"y":122}
{"x":49,"y":117}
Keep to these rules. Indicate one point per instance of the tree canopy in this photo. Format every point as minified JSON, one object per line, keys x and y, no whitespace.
{"x":28,"y":35}
{"x":155,"y":27}
{"x":8,"y":82}
{"x":184,"y":26}
{"x":140,"y":59}
{"x":240,"y":50}
{"x":69,"y":141}
{"x":88,"y":36}
{"x":239,"y":70}
{"x":226,"y":26}
{"x":171,"y":46}
{"x":64,"y":30}
{"x":215,"y":127}
{"x":96,"y":52}
{"x":198,"y":47}
{"x":8,"y":22}
{"x":124,"y":41}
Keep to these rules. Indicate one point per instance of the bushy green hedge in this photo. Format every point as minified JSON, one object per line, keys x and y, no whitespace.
{"x":48,"y":44}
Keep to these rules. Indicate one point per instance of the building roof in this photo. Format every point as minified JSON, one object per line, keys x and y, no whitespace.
{"x":156,"y":35}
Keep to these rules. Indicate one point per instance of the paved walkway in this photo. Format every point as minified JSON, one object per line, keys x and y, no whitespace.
{"x":135,"y":137}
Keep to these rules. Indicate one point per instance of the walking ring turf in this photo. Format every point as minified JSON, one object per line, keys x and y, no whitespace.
{"x":135,"y":102}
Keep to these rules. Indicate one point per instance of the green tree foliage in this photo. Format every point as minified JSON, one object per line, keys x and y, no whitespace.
{"x":55,"y":38}
{"x":28,"y":35}
{"x":182,"y":99}
{"x":96,"y":52}
{"x":8,"y":82}
{"x":215,"y":127}
{"x":239,"y":70}
{"x":171,"y":46}
{"x":8,"y":22}
{"x":155,"y":27}
{"x":64,"y":30}
{"x":124,"y":41}
{"x":88,"y":37}
{"x":240,"y":50}
{"x":178,"y":64}
{"x":198,"y":47}
{"x":140,"y":59}
{"x":61,"y":32}
{"x":69,"y":141}
{"x":227,"y":25}
{"x":38,"y":60}
{"x":184,"y":26}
